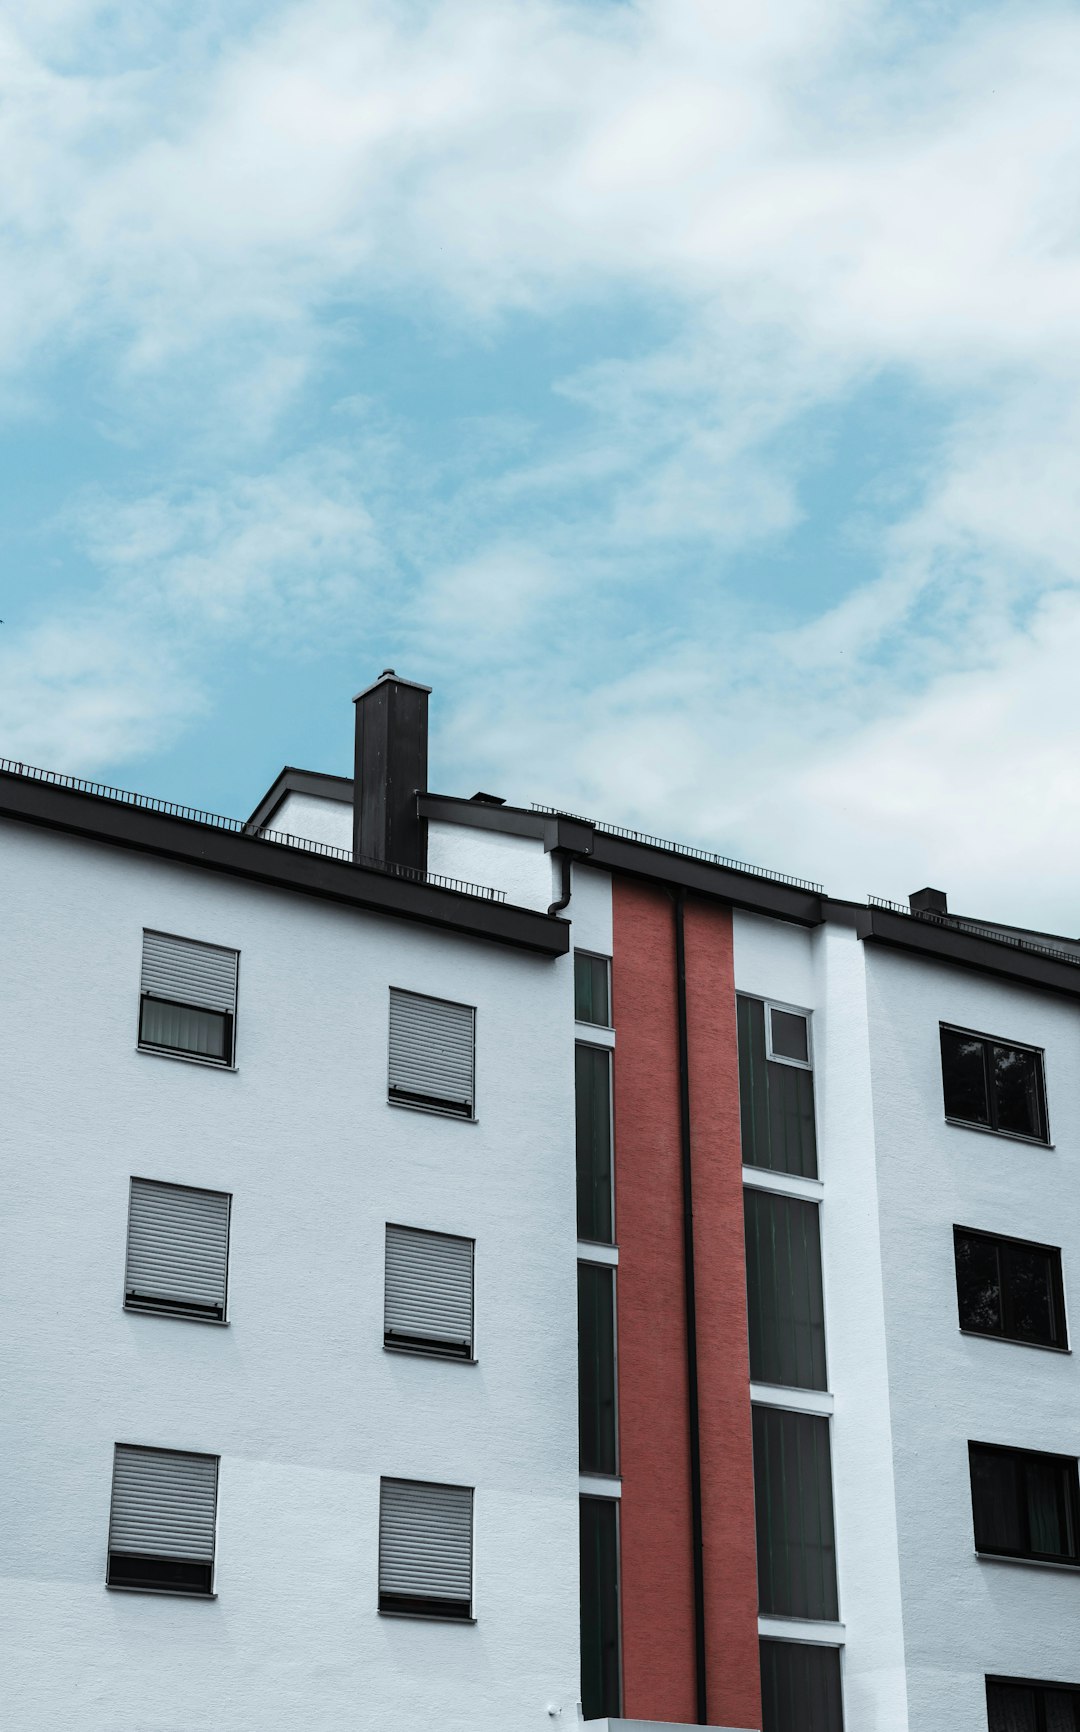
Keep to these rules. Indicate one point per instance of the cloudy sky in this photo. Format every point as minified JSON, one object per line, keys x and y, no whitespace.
{"x":688,"y":390}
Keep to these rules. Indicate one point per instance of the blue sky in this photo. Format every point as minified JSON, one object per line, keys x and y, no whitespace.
{"x":687,"y":391}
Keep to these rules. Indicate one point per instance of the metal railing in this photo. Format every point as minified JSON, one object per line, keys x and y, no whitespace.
{"x":957,"y":923}
{"x":684,"y":849}
{"x":238,"y":827}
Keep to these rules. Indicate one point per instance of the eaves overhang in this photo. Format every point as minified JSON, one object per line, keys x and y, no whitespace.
{"x":941,"y":941}
{"x":295,"y":781}
{"x":241,"y":854}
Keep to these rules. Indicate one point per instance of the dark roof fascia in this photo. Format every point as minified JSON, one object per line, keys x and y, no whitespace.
{"x":937,"y":943}
{"x":294,"y":781}
{"x":510,"y":820}
{"x":244,"y":856}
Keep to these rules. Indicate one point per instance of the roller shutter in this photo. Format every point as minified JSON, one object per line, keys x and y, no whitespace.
{"x":429,"y":1291}
{"x":161,"y":1526}
{"x":425,"y":1548}
{"x":431,"y":1052}
{"x":178,"y":1250}
{"x":185,"y":971}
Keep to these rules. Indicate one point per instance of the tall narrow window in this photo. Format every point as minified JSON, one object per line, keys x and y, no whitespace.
{"x":429,"y":1293}
{"x":800,"y":1688}
{"x":596,"y":1369}
{"x":592,"y":998}
{"x":793,"y":1492}
{"x":1025,"y":1504}
{"x":783,"y":1283}
{"x":432,"y":1044}
{"x":993,"y":1084}
{"x":1009,"y":1288}
{"x":187,"y":1005}
{"x":1015,"y":1705}
{"x":593,"y":1105}
{"x":425,"y":1548}
{"x":776,"y":1088}
{"x":177,"y":1251}
{"x":600,"y":1667}
{"x":161,"y":1526}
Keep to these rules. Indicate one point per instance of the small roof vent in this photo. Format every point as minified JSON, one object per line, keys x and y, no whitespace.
{"x":928,"y":902}
{"x":482,"y":799}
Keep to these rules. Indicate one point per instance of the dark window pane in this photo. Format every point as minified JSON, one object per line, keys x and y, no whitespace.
{"x":599,"y":1607}
{"x":1016,"y":1083}
{"x":183,"y":1028}
{"x":593,"y":1086}
{"x":963,"y":1071}
{"x":1028,"y":1278}
{"x":783,"y":1288}
{"x":1024,"y":1503}
{"x":995,"y":1501}
{"x":800,"y":1688}
{"x":790,"y":1035}
{"x":1049,"y":1506}
{"x":776,"y":1102}
{"x":171,"y":1575}
{"x":596,"y":1368}
{"x":1061,"y":1710}
{"x":1011,"y":1708}
{"x":591,"y":990}
{"x":793,"y":1494}
{"x":978,"y":1283}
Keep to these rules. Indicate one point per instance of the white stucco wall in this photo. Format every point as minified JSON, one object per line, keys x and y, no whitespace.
{"x":516,"y":864}
{"x":315,"y":819}
{"x":296,"y":1394}
{"x":965,"y":1618}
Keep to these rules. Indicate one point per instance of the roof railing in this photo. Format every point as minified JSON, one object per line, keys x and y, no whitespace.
{"x":237,"y":826}
{"x":684,"y":849}
{"x":958,"y":923}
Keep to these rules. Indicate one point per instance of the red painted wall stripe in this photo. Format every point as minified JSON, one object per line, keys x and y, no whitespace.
{"x":657,"y":1580}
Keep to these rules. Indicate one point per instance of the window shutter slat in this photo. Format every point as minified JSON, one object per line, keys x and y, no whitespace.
{"x":429,"y":1286}
{"x":164,"y":1503}
{"x":188,"y":972}
{"x":431,"y":1049}
{"x":425,"y":1540}
{"x":178,"y":1244}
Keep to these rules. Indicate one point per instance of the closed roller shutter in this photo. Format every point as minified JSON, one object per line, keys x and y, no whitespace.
{"x":425,"y":1547}
{"x":188,"y":972}
{"x":429,"y":1291}
{"x":431,"y":1052}
{"x":164,"y":1504}
{"x":178,"y":1250}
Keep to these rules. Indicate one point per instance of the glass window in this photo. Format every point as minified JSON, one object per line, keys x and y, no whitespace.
{"x":987,"y":1082}
{"x":1025,"y":1504}
{"x":1009,"y":1288}
{"x":183,"y":1028}
{"x":593,"y":1106}
{"x":800,"y":1688}
{"x":783,"y":1290}
{"x":592,"y":999}
{"x":796,"y":1545}
{"x":1013,"y":1705}
{"x":597,"y":1430}
{"x":789,"y":1036}
{"x":776,"y":1100}
{"x":600,"y":1669}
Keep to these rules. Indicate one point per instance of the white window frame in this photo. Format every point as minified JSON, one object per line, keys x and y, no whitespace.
{"x":807,"y":1063}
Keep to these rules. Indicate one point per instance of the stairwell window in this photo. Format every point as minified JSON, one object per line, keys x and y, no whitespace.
{"x":776,"y":1087}
{"x":425,"y":1549}
{"x":993,"y":1084}
{"x":1025,"y":1504}
{"x":177,"y":1251}
{"x":800,"y":1687}
{"x":162,"y":1521}
{"x":432,"y":1054}
{"x":187,"y":1002}
{"x":592,"y":989}
{"x":429,"y":1293}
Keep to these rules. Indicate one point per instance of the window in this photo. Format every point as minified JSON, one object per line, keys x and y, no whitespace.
{"x":597,"y":1430}
{"x":793,"y":1494}
{"x":1025,"y":1505}
{"x":783,"y":1286}
{"x":1008,"y":1288}
{"x":592,"y":998}
{"x":592,"y":1081}
{"x":600,"y":1664}
{"x":776,"y":1088}
{"x":432,"y":1045}
{"x":161,"y":1527}
{"x":994,"y":1084}
{"x":187,"y":1005}
{"x":177,"y":1251}
{"x":800,"y":1688}
{"x":425,"y":1549}
{"x":429,"y":1293}
{"x":1014,"y":1705}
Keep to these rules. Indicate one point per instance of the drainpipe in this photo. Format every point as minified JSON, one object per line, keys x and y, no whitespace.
{"x":697,"y":1538}
{"x":565,"y":859}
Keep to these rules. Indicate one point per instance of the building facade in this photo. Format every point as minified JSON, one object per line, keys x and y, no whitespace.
{"x":660,"y":1244}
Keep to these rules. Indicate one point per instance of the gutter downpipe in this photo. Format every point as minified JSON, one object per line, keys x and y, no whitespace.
{"x":690,"y":1289}
{"x":565,"y":862}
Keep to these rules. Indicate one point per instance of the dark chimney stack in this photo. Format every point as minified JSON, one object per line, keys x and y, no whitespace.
{"x":928,"y":902}
{"x":391,"y":769}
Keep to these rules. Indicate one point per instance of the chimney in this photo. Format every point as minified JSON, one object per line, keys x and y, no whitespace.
{"x":928,"y":902}
{"x":391,"y":769}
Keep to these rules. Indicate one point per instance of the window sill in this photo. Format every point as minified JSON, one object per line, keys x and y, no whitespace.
{"x":425,"y":1617}
{"x":990,"y":1131}
{"x":1015,"y":1341}
{"x":600,"y":1485}
{"x":782,"y":1628}
{"x":791,"y":1398}
{"x":1069,"y":1567}
{"x":428,"y":1353}
{"x":598,"y":1251}
{"x":158,"y":1593}
{"x":785,"y":1184}
{"x":433,"y":1112}
{"x":186,"y":1058}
